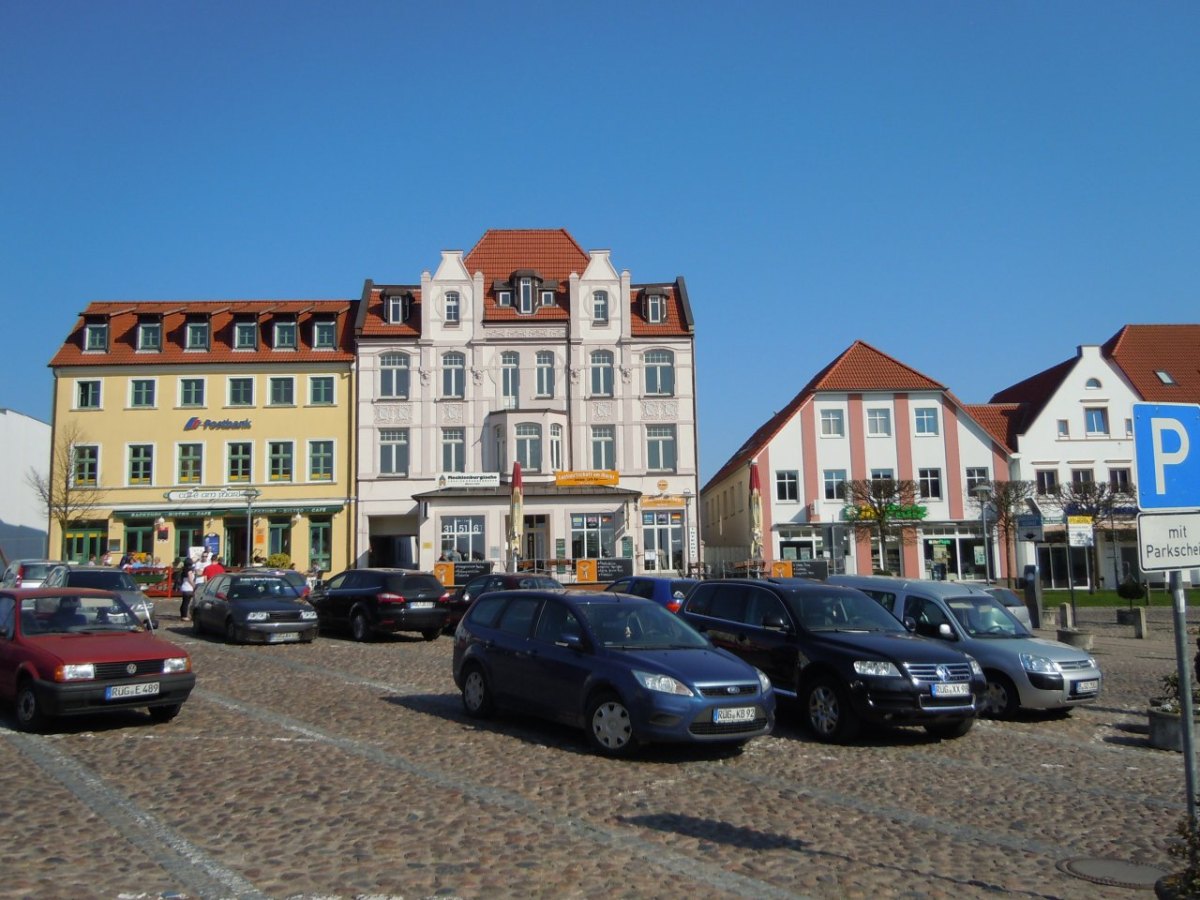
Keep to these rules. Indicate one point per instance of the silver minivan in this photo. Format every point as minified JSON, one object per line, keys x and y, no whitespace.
{"x":1023,"y":671}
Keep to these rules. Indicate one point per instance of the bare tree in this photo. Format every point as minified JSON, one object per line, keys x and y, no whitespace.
{"x":881,"y":508}
{"x":70,"y":493}
{"x":1006,"y":501}
{"x":1104,"y":503}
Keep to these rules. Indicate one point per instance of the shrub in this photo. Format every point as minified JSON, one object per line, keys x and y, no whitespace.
{"x":1187,"y":848}
{"x":279,"y":561}
{"x":1131,"y":589}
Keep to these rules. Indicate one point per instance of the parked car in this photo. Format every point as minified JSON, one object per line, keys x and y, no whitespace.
{"x":263,"y":609}
{"x":662,"y":589}
{"x":65,"y":653}
{"x":622,"y":668}
{"x":104,"y":578}
{"x":1013,"y":602}
{"x":382,"y":601}
{"x":496,"y":581}
{"x":291,"y":576}
{"x":27,"y":573}
{"x":843,"y":657}
{"x":1022,"y":671}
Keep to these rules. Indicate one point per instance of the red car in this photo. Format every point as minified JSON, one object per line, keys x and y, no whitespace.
{"x":76,"y":651}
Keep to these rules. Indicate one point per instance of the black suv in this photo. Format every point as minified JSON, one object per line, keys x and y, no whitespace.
{"x":367,"y":601}
{"x":830,"y":648}
{"x":497,"y":581}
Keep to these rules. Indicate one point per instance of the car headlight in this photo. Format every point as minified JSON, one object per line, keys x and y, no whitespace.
{"x":308,"y":614}
{"x":876,"y":667}
{"x":177,"y":664}
{"x":976,"y":668}
{"x":1041,"y":664}
{"x":76,"y":672}
{"x":1092,"y":662}
{"x":665,"y":684}
{"x":256,"y":616}
{"x":763,"y":681}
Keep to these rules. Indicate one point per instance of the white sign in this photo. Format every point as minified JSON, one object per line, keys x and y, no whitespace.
{"x":468,"y":479}
{"x":208,"y":495}
{"x":1169,"y":541}
{"x":1079,"y":531}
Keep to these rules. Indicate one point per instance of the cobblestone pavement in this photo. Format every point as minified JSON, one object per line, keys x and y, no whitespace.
{"x":338,"y":770}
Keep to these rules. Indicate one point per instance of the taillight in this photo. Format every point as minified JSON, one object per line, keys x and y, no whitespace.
{"x":20,"y":575}
{"x":445,"y":598}
{"x":673,"y":606}
{"x":390,"y":598}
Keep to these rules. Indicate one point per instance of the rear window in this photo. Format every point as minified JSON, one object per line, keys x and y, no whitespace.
{"x":36,"y":570}
{"x":403,"y":584}
{"x":483,"y":611}
{"x":105,"y":581}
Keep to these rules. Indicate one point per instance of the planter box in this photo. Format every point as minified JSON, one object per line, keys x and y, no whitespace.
{"x":1166,"y":730}
{"x":1076,"y":638}
{"x":1127,"y":616}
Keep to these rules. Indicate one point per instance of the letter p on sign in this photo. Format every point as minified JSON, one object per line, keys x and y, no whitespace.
{"x":1167,"y":476}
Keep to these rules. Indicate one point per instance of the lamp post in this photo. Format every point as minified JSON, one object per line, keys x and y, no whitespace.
{"x":983,"y":493}
{"x":687,"y":534}
{"x":251,"y":494}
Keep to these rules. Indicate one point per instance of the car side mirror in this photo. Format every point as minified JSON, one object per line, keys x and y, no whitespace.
{"x":775,"y":623}
{"x":571,"y":642}
{"x":910,"y":623}
{"x":945,"y":631}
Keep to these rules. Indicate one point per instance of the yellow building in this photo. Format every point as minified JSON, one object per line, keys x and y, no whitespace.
{"x":226,"y":424}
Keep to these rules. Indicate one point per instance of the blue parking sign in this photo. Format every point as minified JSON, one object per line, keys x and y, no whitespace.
{"x":1166,"y":450}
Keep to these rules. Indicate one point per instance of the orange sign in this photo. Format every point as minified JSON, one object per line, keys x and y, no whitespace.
{"x":585,"y":571}
{"x":444,"y":572}
{"x":587,"y":477}
{"x":781,"y":569}
{"x":667,"y":502}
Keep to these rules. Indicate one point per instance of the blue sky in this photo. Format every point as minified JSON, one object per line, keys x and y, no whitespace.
{"x":973,"y":188}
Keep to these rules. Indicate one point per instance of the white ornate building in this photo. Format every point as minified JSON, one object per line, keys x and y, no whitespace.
{"x":526,"y":349}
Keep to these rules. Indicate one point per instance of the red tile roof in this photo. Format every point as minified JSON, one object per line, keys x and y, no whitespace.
{"x":1002,"y":421}
{"x":373,"y":313}
{"x":860,"y":368}
{"x":1141,"y":351}
{"x":122,"y":318}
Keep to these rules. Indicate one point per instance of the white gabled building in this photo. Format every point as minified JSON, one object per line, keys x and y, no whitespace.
{"x":864,"y":416}
{"x":24,"y":448}
{"x":526,"y":349}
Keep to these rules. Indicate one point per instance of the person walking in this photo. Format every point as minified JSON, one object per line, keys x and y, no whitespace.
{"x":187,"y":588}
{"x":213,"y":569}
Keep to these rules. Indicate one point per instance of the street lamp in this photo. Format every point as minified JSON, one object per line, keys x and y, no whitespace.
{"x":251,"y":494}
{"x":983,"y":493}
{"x":687,"y":534}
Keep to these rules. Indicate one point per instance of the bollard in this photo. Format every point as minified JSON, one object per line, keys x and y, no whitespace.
{"x":1066,"y":617}
{"x":1139,"y":622}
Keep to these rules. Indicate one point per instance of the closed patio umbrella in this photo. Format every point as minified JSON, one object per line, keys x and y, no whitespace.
{"x":756,"y":513}
{"x":516,"y":518}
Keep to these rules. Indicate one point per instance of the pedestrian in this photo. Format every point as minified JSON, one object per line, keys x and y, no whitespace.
{"x":187,"y":588}
{"x":213,"y":569}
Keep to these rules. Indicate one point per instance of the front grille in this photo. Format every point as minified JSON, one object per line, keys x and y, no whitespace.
{"x":946,"y":702}
{"x":284,"y":615}
{"x":106,"y":671}
{"x":1075,"y":665}
{"x":927,"y":673}
{"x":728,"y":690}
{"x":728,"y":727}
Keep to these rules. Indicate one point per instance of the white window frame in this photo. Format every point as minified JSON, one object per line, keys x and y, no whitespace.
{"x":602,"y":373}
{"x":184,"y":403}
{"x":179,"y":476}
{"x":929,"y":480}
{"x":285,"y":335}
{"x":547,"y":298}
{"x":229,"y":391}
{"x":79,"y":383}
{"x":656,"y":308}
{"x":196,"y":335}
{"x":833,"y":484}
{"x":144,"y":330}
{"x":504,"y":298}
{"x":398,"y":440}
{"x":129,"y":482}
{"x":95,"y":337}
{"x":787,"y":485}
{"x":454,"y":449}
{"x":662,"y":441}
{"x":133,"y":388}
{"x":525,"y":297}
{"x":290,"y":478}
{"x":244,"y":329}
{"x":309,"y":449}
{"x":391,"y":364}
{"x":313,"y":381}
{"x":659,"y":366}
{"x":454,"y":375}
{"x":833,"y":423}
{"x":545,"y":373}
{"x":1098,"y":412}
{"x":452,"y":303}
{"x":879,"y":421}
{"x":528,"y":436}
{"x":510,"y":378}
{"x":925,"y":421}
{"x":230,"y":477}
{"x":325,"y":334}
{"x":604,"y":446}
{"x":556,"y":447}
{"x":290,"y":381}
{"x":600,"y":310}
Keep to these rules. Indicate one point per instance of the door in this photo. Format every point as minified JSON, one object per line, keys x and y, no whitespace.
{"x":765,"y":644}
{"x":509,"y":654}
{"x":555,"y":677}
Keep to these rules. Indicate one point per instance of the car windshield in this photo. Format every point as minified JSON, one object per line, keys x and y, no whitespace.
{"x":105,"y":580}
{"x":981,"y":616}
{"x":641,"y":626}
{"x":842,"y":611}
{"x":69,"y":614}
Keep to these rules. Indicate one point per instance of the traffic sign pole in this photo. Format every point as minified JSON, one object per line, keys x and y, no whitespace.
{"x":1185,"y":692}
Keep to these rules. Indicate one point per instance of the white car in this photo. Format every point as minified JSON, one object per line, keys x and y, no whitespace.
{"x":28,"y":573}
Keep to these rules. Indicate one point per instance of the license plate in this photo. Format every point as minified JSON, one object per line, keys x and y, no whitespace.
{"x":120,"y":691}
{"x":733,"y":714}
{"x":421,"y":604}
{"x":1087,"y":687}
{"x":960,"y":689}
{"x":280,"y":637}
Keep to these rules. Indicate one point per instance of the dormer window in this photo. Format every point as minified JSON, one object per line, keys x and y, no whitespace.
{"x":196,"y":334}
{"x":245,"y":335}
{"x":526,"y":307}
{"x":324,"y":334}
{"x":600,"y":307}
{"x":504,"y":298}
{"x":453,"y":308}
{"x":149,"y":336}
{"x":656,"y":308}
{"x":398,"y":308}
{"x":95,"y":336}
{"x":547,"y":298}
{"x":285,"y":335}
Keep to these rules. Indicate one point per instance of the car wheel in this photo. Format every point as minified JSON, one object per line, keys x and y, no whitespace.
{"x":476,"y":695}
{"x":196,"y":627}
{"x":609,"y":727}
{"x":1000,"y":698}
{"x":231,"y":632}
{"x":431,"y":634}
{"x":30,"y":716}
{"x":360,"y":628}
{"x":165,"y":713}
{"x":950,"y":730}
{"x":828,"y":711}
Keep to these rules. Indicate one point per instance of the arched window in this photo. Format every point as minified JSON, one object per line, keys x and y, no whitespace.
{"x":602,"y":373}
{"x":454,"y":375}
{"x":1092,"y":384}
{"x":660,"y":372}
{"x":393,"y":375}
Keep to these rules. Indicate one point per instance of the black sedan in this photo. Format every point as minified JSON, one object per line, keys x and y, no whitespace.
{"x":263,"y":609}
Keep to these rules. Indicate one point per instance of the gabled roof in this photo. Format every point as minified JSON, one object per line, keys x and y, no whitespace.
{"x":1035,"y":391}
{"x":1002,"y":421}
{"x":123,"y":317}
{"x":860,"y":368}
{"x":1141,"y":351}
